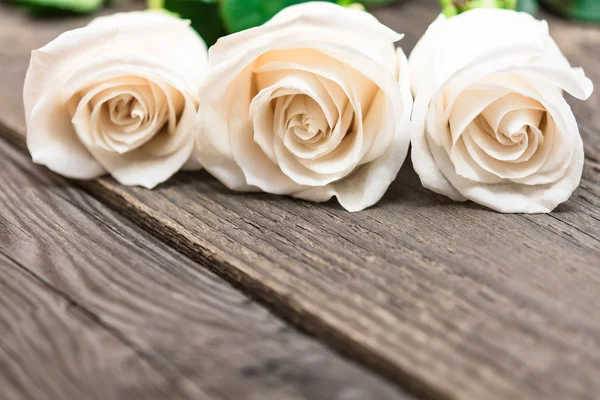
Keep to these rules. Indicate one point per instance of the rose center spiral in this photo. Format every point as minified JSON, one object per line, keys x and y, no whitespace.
{"x":123,"y":114}
{"x":126,"y":109}
{"x":306,"y":121}
{"x":509,"y":139}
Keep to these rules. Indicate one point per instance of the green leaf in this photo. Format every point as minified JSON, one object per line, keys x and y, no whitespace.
{"x":238,"y":15}
{"x":204,"y":15}
{"x":156,"y":4}
{"x":370,"y":3}
{"x":585,"y":10}
{"x":46,"y":7}
{"x":454,"y":7}
{"x":529,"y":6}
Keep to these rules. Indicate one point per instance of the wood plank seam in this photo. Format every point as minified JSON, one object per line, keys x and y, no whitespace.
{"x":197,"y":250}
{"x":187,"y":243}
{"x":192,"y":246}
{"x":251,"y":371}
{"x":569,"y":237}
{"x":556,"y":217}
{"x":284,"y":307}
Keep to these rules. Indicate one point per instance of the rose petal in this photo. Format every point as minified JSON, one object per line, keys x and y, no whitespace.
{"x":135,"y":33}
{"x":467,"y":106}
{"x":50,"y":136}
{"x":214,"y":151}
{"x":368,"y":183}
{"x":424,"y":163}
{"x":146,"y":166}
{"x":496,"y":111}
{"x":519,"y":198}
{"x":314,"y":22}
{"x":351,"y":77}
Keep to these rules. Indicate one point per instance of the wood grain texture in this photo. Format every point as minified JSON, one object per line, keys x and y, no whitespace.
{"x":52,"y":349}
{"x":202,"y":337}
{"x":450,"y":300}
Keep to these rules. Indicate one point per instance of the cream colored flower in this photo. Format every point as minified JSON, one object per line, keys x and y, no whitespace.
{"x":117,"y":96}
{"x":313,"y":104}
{"x":490,"y":123}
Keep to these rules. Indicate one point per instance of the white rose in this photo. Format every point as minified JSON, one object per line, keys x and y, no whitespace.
{"x":117,"y":96}
{"x":490,"y":123}
{"x":313,"y":104}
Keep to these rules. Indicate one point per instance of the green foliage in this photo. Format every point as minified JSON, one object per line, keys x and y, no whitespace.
{"x":585,"y":10}
{"x":210,"y":18}
{"x":51,"y":7}
{"x":454,"y":7}
{"x":238,"y":15}
{"x":204,"y":15}
{"x":243,"y":14}
{"x":369,"y":3}
{"x":215,"y":18}
{"x":529,"y":6}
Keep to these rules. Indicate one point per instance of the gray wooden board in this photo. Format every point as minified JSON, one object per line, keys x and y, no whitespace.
{"x":450,"y":300}
{"x":51,"y":349}
{"x":152,"y":306}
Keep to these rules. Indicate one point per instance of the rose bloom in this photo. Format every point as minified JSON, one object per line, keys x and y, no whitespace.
{"x":490,"y":123}
{"x":315,"y":103}
{"x":118,"y":96}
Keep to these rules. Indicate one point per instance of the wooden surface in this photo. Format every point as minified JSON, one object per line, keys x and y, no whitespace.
{"x":448,"y":300}
{"x":92,"y":305}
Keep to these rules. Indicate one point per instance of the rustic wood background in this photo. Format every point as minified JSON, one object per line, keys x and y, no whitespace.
{"x":420,"y":297}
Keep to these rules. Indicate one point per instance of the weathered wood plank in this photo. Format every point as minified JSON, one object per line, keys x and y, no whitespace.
{"x":52,"y":349}
{"x":196,"y":330}
{"x":450,"y":300}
